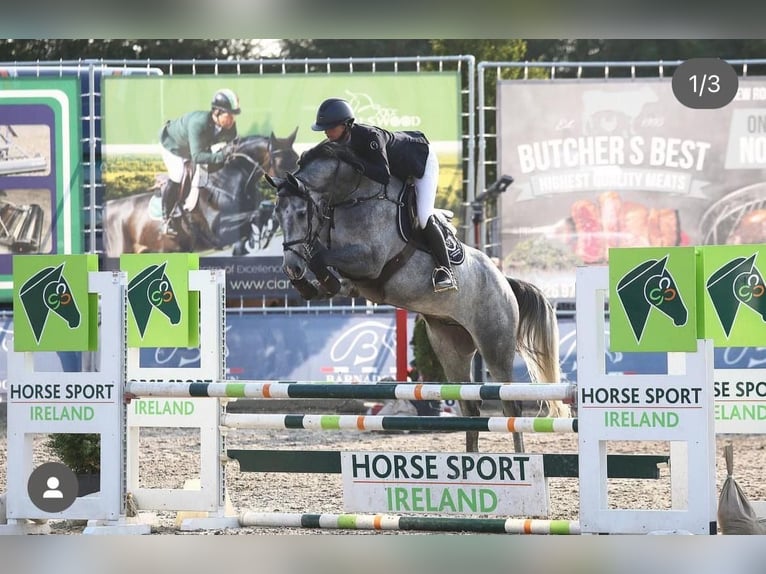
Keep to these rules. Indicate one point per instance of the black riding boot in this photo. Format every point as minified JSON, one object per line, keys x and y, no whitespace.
{"x":169,"y":203}
{"x":442,"y":277}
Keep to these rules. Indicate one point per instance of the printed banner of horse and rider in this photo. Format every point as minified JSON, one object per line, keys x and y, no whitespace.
{"x":605,"y":164}
{"x":231,"y":212}
{"x":40,"y":203}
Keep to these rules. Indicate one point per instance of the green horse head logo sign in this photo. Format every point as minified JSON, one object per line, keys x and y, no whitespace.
{"x":735,"y":295}
{"x":163,"y":311}
{"x":48,"y":293}
{"x":51,"y":294}
{"x":652,"y":304}
{"x":662,"y":299}
{"x":149,"y":290}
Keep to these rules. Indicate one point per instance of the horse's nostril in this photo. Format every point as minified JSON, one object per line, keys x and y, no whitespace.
{"x":292,"y":271}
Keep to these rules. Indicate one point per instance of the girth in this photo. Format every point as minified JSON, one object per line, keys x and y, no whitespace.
{"x":389,"y":269}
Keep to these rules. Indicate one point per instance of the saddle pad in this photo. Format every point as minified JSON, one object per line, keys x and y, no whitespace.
{"x":155,"y":208}
{"x":191,"y":199}
{"x":454,"y":247}
{"x":409,"y":230}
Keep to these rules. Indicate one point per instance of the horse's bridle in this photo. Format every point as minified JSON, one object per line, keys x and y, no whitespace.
{"x":323,"y":210}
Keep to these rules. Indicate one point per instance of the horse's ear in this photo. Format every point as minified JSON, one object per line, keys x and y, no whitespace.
{"x":274,"y":182}
{"x":293,"y":180}
{"x":292,"y":136}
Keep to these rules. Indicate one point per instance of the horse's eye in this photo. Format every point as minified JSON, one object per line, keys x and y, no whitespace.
{"x":300,"y":214}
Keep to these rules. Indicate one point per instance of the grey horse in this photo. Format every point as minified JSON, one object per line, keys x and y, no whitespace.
{"x":332,"y":216}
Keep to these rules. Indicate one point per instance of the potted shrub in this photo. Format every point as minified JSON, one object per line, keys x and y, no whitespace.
{"x":81,"y":453}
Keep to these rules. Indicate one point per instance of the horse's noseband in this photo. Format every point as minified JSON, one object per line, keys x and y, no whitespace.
{"x":292,"y":186}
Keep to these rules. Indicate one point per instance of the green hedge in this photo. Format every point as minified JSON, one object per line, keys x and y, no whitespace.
{"x":129,"y":175}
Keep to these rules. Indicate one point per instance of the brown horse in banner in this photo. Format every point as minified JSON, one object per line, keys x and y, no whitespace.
{"x":223,"y":214}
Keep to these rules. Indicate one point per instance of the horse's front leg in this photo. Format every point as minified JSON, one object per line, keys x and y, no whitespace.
{"x":352,"y":261}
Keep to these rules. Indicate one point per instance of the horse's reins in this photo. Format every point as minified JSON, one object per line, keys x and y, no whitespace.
{"x":257,"y":167}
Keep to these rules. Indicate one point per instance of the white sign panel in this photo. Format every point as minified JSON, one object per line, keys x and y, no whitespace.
{"x":444,"y":483}
{"x":740,"y":401}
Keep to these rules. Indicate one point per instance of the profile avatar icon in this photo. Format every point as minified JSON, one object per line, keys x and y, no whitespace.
{"x":53,"y":489}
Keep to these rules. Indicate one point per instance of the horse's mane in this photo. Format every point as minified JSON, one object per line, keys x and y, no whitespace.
{"x":331,"y":150}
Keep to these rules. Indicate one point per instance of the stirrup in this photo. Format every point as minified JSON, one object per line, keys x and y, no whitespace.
{"x":444,"y":284}
{"x":167,"y":228}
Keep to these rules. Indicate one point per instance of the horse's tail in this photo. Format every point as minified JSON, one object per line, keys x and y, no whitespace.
{"x":538,"y":338}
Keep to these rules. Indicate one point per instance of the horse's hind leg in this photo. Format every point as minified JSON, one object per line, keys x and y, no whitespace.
{"x":497,"y":350}
{"x":455,"y":349}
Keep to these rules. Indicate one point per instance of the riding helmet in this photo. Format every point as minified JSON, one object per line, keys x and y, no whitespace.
{"x":333,"y":112}
{"x":226,"y":100}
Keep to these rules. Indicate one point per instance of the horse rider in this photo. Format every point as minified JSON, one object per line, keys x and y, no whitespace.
{"x":401,"y":153}
{"x":190,"y":138}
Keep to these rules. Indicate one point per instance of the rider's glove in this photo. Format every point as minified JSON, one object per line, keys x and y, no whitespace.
{"x":229,"y":150}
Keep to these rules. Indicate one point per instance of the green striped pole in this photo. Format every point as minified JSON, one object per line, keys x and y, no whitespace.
{"x":414,"y":423}
{"x":414,"y":523}
{"x":380,"y":391}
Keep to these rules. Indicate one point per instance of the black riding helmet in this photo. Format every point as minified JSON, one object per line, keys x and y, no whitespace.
{"x":226,"y":100}
{"x":333,"y":112}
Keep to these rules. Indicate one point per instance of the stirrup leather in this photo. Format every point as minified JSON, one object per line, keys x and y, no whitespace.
{"x":443,"y":285}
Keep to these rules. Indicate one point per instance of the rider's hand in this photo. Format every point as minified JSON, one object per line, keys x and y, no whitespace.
{"x":229,"y":150}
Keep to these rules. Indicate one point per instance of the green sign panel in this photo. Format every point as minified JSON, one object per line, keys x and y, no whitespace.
{"x":733,"y":295}
{"x":162,"y":310}
{"x":135,"y":108}
{"x":40,"y":175}
{"x":52,"y":309}
{"x":652,"y":299}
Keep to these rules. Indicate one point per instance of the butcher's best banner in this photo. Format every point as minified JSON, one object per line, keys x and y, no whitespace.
{"x":605,"y":164}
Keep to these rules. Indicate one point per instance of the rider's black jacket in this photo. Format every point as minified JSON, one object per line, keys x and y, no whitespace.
{"x":384,"y":153}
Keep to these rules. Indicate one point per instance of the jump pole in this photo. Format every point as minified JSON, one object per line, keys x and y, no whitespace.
{"x":382,"y":391}
{"x":408,"y":523}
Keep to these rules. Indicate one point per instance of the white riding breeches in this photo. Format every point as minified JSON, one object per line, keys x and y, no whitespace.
{"x":175,"y":166}
{"x":425,"y":188}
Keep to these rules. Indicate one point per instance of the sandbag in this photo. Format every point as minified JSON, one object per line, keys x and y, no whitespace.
{"x":735,"y":513}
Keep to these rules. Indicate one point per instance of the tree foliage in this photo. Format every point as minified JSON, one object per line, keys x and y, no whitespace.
{"x":426,"y":362}
{"x":354,"y":48}
{"x":68,"y":49}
